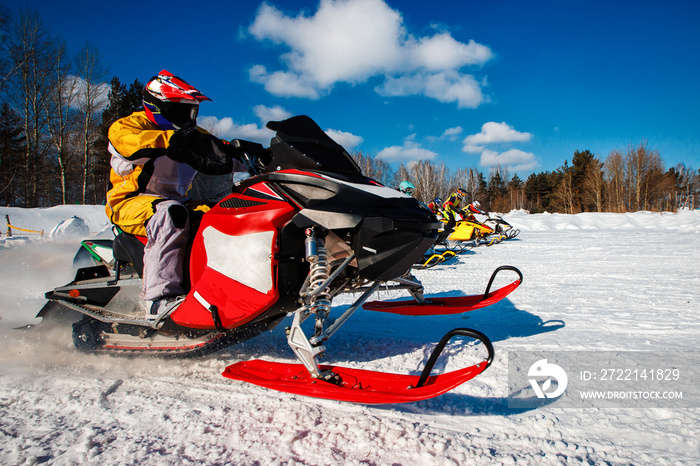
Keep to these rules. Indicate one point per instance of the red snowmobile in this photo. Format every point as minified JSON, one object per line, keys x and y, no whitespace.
{"x":305,"y":227}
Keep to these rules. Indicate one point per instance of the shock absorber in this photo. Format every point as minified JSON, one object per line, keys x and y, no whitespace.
{"x":319,"y":271}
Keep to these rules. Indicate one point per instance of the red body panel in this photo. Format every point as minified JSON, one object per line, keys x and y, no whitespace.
{"x":235,"y":302}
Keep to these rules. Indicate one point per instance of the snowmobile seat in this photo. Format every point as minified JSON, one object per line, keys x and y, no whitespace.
{"x":128,"y":248}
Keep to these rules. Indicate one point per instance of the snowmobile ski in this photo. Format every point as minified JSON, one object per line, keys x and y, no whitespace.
{"x":435,"y":259}
{"x":449,"y":305}
{"x":362,"y":386}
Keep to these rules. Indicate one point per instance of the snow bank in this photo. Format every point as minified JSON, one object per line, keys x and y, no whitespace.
{"x":680,"y":221}
{"x":56,"y":222}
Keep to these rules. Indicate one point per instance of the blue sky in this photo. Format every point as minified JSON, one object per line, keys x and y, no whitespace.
{"x":467,"y":83}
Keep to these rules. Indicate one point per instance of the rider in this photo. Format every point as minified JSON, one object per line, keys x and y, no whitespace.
{"x":473,"y":208}
{"x":407,"y":187}
{"x":155,"y":154}
{"x":452,"y":207}
{"x":436,"y":205}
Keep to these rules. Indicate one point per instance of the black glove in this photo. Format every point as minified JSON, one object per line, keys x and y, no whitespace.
{"x":203,"y":152}
{"x":258,"y":156}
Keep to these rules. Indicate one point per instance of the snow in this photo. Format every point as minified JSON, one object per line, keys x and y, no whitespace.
{"x":628,"y":282}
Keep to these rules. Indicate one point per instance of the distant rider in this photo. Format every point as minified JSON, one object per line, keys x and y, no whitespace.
{"x":407,"y":187}
{"x":452,"y":207}
{"x":155,"y":156}
{"x":469,"y":211}
{"x":436,"y":206}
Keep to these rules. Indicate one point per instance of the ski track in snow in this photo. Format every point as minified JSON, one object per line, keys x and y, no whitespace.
{"x":603,"y":282}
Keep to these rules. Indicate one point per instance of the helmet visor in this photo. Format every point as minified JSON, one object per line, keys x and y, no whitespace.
{"x":180,"y":115}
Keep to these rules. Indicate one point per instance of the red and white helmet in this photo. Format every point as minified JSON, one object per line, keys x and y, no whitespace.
{"x":476,"y":207}
{"x":170,"y":102}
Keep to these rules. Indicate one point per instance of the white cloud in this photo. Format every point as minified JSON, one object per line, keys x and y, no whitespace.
{"x":451,"y":86}
{"x":225,"y":128}
{"x":448,"y":86}
{"x":353,"y":40}
{"x":514,"y":159}
{"x":284,"y":84}
{"x":493,"y":133}
{"x":345,"y":139}
{"x":343,"y":41}
{"x":443,"y":52}
{"x":275,"y":113}
{"x":500,"y":133}
{"x":452,"y":133}
{"x":409,"y":152}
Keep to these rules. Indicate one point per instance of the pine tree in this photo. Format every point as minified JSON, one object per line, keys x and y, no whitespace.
{"x":13,"y":143}
{"x":582,"y":163}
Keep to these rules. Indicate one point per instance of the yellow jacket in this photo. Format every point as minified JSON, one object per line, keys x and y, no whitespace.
{"x":140,"y":164}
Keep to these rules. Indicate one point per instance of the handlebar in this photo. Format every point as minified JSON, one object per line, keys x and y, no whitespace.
{"x":253,"y":155}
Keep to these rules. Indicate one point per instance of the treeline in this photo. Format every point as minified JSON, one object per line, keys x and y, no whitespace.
{"x":55,"y":109}
{"x":630,"y":180}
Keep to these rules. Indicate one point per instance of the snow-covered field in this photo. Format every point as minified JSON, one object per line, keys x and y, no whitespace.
{"x":622,"y":282}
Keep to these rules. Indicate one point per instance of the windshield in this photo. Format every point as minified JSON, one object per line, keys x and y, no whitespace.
{"x":301,"y":143}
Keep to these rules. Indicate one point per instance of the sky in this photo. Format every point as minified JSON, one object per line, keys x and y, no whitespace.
{"x":465,"y":83}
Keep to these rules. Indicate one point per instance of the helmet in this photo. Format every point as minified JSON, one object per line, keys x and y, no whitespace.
{"x":462,"y":192}
{"x":406,"y":187}
{"x":170,"y":102}
{"x":477,"y":205}
{"x":437,"y":201}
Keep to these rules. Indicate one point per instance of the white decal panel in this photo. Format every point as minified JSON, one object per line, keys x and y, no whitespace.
{"x":246,"y":259}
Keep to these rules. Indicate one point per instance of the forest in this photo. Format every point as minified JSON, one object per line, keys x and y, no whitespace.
{"x":56,"y":108}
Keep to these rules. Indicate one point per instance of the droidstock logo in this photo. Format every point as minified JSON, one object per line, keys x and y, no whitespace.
{"x":542,"y":369}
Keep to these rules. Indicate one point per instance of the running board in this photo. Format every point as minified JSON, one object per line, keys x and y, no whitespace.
{"x":362,"y":386}
{"x":448,"y":305}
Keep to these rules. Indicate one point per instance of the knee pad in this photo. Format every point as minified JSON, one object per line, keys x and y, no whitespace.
{"x":178,"y":213}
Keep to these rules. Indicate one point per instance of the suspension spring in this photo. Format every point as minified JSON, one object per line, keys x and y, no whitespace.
{"x":319,"y":271}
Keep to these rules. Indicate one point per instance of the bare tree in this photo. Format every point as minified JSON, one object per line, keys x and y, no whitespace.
{"x":375,"y":168}
{"x":563,"y":196}
{"x":402,"y":174}
{"x":645,"y":171}
{"x":593,"y":185}
{"x":61,"y":118}
{"x":615,"y":177}
{"x":428,"y":179}
{"x":688,"y":185}
{"x":468,"y":179}
{"x":92,"y":98}
{"x":30,"y":53}
{"x":516,"y":192}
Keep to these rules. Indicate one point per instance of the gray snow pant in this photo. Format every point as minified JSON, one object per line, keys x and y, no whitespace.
{"x":164,"y":255}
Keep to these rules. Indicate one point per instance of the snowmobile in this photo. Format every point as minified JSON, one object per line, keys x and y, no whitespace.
{"x":502,"y":227}
{"x":442,"y":251}
{"x":304,"y":228}
{"x":475,"y":233}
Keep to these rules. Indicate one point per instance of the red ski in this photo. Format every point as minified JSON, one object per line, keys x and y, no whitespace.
{"x":449,"y":305}
{"x":361,"y":386}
